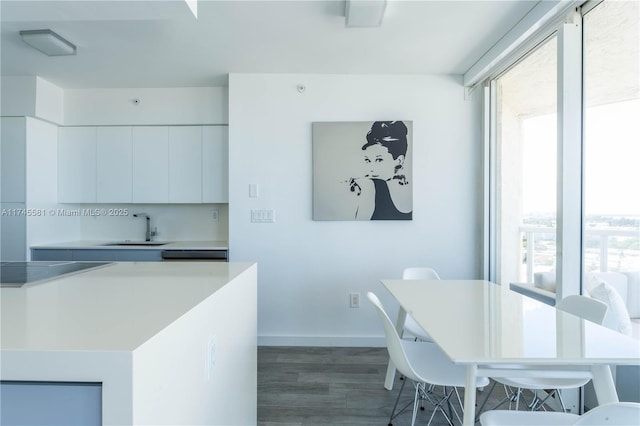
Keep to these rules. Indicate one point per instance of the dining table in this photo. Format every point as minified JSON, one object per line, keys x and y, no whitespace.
{"x":496,"y":332}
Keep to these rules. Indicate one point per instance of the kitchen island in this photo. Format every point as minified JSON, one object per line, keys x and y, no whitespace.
{"x":167,"y":342}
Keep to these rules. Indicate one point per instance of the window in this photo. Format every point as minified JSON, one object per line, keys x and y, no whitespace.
{"x":612,"y":137}
{"x":525,"y":121}
{"x":557,"y":217}
{"x":526,"y":146}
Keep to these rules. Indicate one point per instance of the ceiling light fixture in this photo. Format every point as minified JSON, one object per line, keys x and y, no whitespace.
{"x":364,"y":13}
{"x":48,"y":42}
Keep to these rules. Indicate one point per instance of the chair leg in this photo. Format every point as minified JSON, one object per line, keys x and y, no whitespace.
{"x":393,"y":412}
{"x":420,"y":389}
{"x":510,"y":398}
{"x":416,"y":398}
{"x":518,"y":395}
{"x":438,"y":406}
{"x":539,"y":403}
{"x":479,"y":410}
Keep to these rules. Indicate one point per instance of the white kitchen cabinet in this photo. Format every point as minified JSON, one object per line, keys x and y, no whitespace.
{"x":114,"y":168}
{"x":142,"y":164}
{"x":185,"y":164}
{"x":13,"y":169}
{"x":77,"y":164}
{"x":13,"y":157}
{"x":150,"y":164}
{"x":215,"y":168}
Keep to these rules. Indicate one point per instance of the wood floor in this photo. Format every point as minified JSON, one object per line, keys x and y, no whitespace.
{"x":318,"y":386}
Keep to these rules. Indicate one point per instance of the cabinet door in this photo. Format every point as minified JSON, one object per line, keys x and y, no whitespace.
{"x":13,"y":233}
{"x":51,"y":254}
{"x":108,"y":255}
{"x":13,"y":159}
{"x":77,"y":165}
{"x":215,"y":160}
{"x":114,"y":165}
{"x":150,"y":164}
{"x":185,"y":164}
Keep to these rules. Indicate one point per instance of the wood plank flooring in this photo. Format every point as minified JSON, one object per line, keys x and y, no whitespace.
{"x":323,"y":386}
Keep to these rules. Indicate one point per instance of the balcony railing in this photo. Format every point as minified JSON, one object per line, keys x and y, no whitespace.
{"x":539,"y":249}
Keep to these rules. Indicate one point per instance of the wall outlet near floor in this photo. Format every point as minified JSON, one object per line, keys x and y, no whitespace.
{"x":354,"y":300}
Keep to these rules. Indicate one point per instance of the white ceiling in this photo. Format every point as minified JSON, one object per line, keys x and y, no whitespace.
{"x":150,"y":43}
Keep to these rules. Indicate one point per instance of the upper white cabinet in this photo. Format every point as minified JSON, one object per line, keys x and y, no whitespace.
{"x":143,"y":164}
{"x":215,"y":164}
{"x":185,"y":165}
{"x":77,"y":164}
{"x":114,"y":168}
{"x":151,"y":164}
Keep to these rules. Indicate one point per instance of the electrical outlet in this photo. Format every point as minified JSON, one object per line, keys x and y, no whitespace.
{"x":253,"y":190}
{"x":214,"y":215}
{"x":211,"y":357}
{"x":354,"y":300}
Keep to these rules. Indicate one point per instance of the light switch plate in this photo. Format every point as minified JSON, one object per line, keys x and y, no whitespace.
{"x":253,"y":190}
{"x":263,"y":216}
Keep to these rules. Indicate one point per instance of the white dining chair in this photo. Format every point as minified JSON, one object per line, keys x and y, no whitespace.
{"x":616,"y":414}
{"x":423,"y":363}
{"x":582,"y":306}
{"x":411,"y":327}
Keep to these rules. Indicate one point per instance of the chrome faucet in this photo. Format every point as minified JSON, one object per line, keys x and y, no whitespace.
{"x":148,"y":235}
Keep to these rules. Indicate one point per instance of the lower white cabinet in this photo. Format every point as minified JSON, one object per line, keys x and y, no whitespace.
{"x":143,"y":164}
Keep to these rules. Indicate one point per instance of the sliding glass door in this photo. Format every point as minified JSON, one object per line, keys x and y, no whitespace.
{"x":526,"y":147}
{"x":524,"y":117}
{"x":564,"y":160}
{"x":612,"y":137}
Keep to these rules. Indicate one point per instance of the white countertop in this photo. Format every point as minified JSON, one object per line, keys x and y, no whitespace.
{"x":117,"y":307}
{"x":169,"y":342}
{"x":171,"y":245}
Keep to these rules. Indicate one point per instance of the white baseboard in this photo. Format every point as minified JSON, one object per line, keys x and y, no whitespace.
{"x":342,"y":341}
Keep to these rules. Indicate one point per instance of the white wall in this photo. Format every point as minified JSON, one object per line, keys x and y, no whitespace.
{"x":307,"y":269}
{"x":18,"y":96}
{"x":183,"y":105}
{"x":49,"y":101}
{"x":31,"y":96}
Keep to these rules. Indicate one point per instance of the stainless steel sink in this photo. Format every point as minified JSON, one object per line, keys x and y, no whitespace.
{"x":137,"y":243}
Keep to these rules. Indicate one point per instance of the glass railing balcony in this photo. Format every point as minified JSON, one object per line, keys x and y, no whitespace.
{"x":605,"y":249}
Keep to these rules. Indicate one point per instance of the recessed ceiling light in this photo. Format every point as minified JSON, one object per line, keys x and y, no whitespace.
{"x":48,"y":42}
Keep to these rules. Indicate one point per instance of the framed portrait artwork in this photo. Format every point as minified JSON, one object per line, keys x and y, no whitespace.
{"x":362,"y":170}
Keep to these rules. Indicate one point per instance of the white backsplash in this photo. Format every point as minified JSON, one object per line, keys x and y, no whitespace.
{"x":174,"y":222}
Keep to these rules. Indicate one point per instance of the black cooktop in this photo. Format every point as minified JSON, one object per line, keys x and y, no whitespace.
{"x":16,"y":274}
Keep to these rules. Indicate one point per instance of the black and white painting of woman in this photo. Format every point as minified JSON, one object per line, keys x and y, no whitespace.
{"x":362,"y":170}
